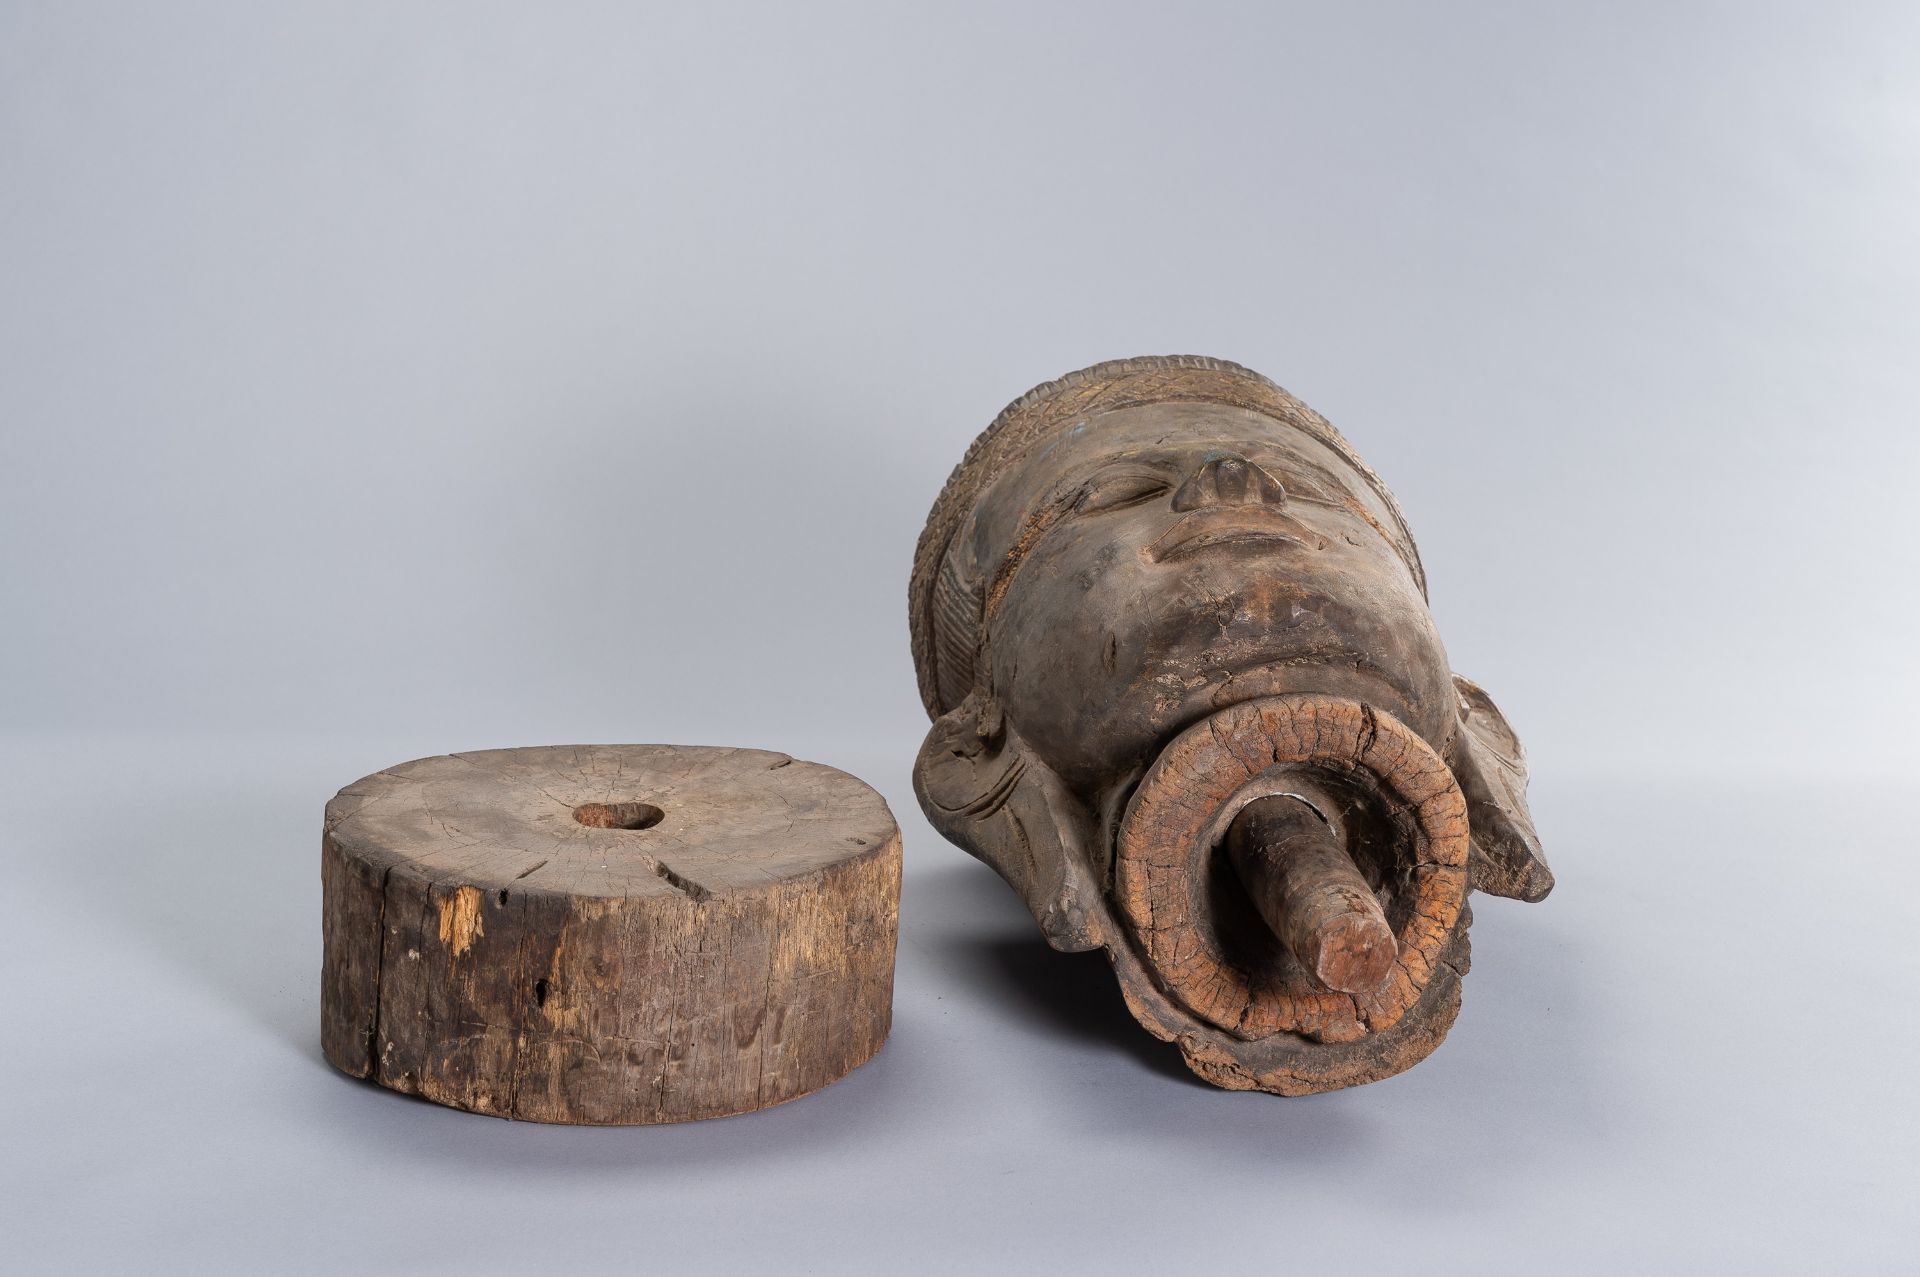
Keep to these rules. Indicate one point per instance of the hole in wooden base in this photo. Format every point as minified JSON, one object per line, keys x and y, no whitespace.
{"x":618,"y":815}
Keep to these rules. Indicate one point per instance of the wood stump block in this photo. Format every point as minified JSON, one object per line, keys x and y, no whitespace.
{"x":608,"y":934}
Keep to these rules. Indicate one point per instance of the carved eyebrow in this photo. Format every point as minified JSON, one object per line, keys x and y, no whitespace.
{"x":1159,"y":464}
{"x":1145,"y":467}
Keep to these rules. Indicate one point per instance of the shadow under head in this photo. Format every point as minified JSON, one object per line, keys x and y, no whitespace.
{"x":1188,"y":699}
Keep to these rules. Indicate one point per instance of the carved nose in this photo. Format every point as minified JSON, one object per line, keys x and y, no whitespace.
{"x":1229,"y":480}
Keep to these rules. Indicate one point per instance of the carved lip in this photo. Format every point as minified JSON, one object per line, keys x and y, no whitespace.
{"x":1229,"y":525}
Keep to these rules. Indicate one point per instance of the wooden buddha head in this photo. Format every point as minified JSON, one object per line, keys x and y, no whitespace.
{"x":1189,"y":700}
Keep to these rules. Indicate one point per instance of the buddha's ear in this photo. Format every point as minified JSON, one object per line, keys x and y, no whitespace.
{"x":1505,"y":859}
{"x":983,"y":789}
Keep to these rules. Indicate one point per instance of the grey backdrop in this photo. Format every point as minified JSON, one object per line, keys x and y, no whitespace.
{"x":379,"y":380}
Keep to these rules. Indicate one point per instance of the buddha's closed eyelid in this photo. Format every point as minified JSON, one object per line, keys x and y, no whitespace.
{"x":1311,"y":493}
{"x":1305,"y":485}
{"x":1118,"y":489}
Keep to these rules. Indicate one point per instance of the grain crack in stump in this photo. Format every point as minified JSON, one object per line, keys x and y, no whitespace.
{"x":680,"y":882}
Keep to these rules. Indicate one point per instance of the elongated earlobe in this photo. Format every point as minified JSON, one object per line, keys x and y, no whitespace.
{"x":983,"y":789}
{"x":1506,"y":859}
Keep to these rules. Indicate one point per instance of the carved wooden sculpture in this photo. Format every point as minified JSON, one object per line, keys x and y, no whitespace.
{"x":1189,"y":701}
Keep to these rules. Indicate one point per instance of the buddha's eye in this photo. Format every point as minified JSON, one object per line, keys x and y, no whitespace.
{"x":1118,"y":490}
{"x":1307,"y":492}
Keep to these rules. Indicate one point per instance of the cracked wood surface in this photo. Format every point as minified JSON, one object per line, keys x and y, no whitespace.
{"x":608,"y":934}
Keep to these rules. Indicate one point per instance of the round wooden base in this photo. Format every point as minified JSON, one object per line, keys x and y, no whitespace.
{"x":608,"y":934}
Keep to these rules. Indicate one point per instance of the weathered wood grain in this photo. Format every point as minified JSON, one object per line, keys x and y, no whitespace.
{"x":608,"y":934}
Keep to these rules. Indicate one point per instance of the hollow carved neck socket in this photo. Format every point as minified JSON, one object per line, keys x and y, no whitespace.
{"x":1300,"y":878}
